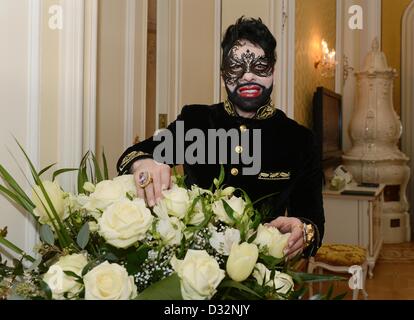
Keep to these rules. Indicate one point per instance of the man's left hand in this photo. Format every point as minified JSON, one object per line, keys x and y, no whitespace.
{"x":295,"y":227}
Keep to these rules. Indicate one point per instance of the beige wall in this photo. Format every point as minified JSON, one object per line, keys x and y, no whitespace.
{"x":110,"y":84}
{"x":50,"y":89}
{"x":197,"y":52}
{"x":111,"y":78}
{"x":14,"y":74}
{"x":315,"y":20}
{"x":151,"y":90}
{"x":392,"y":14}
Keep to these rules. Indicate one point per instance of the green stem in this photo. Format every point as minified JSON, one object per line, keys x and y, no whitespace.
{"x":16,"y":249}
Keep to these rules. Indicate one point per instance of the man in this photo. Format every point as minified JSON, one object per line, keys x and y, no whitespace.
{"x":289,"y":164}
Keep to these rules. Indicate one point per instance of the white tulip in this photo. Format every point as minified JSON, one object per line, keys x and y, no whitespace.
{"x":241,"y":261}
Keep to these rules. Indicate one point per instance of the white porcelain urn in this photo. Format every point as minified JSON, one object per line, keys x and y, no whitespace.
{"x":375,"y":130}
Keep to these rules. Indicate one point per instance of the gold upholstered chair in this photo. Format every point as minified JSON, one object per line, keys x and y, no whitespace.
{"x":342,"y":258}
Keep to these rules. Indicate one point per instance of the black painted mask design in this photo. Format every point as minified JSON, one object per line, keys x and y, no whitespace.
{"x":234,"y":67}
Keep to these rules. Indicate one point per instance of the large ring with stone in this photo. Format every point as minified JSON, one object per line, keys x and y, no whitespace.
{"x":144,"y":179}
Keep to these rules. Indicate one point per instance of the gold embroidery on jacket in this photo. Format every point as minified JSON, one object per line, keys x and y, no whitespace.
{"x":264,"y":112}
{"x":131,"y":157}
{"x":274,"y":175}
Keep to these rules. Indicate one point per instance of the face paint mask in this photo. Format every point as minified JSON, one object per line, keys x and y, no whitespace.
{"x":251,"y":104}
{"x":235,"y":67}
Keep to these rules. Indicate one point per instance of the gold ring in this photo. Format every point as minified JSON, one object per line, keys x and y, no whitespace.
{"x":144,"y":179}
{"x":300,"y":226}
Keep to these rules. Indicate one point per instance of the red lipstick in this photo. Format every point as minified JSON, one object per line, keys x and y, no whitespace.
{"x":249,"y":91}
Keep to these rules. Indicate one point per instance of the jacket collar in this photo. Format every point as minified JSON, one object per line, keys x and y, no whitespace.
{"x":264,"y":112}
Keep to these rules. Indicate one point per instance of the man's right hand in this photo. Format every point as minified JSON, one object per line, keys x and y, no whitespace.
{"x":161,"y":179}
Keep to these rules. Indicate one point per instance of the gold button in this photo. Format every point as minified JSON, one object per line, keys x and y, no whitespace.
{"x":243,"y":128}
{"x":234,"y":171}
{"x":238,"y":149}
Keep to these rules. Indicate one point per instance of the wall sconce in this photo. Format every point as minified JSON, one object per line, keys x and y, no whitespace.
{"x":327,"y":62}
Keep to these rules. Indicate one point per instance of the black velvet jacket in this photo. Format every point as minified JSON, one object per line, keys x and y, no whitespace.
{"x":290,"y":164}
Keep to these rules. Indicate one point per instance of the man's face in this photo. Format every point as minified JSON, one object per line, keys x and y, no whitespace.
{"x":248,"y":76}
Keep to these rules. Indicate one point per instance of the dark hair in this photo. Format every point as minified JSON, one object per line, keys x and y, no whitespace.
{"x":253,"y":30}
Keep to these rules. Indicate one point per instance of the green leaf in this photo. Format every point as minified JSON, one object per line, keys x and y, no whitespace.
{"x":237,"y":285}
{"x":312,"y":277}
{"x":35,"y":264}
{"x":329,"y":293}
{"x":136,"y":259}
{"x":16,"y":249}
{"x":111,"y":257}
{"x":88,"y":267}
{"x":60,"y":171}
{"x":190,"y":212}
{"x":166,"y":289}
{"x":269,"y":261}
{"x":229,"y":210}
{"x":64,"y":238}
{"x":299,"y":293}
{"x":14,"y":185}
{"x":45,"y":169}
{"x":18,"y":267}
{"x":46,"y":289}
{"x":46,"y":234}
{"x":81,"y":173}
{"x":265,"y":197}
{"x":16,"y":198}
{"x":220,"y":178}
{"x":73,"y":275}
{"x":83,"y":236}
{"x":98,"y":173}
{"x":105,"y":166}
{"x":340,"y":296}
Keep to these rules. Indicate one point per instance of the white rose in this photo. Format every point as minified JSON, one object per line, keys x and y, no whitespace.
{"x":60,"y":283}
{"x":106,"y":192}
{"x":127,"y":182}
{"x":125,"y":222}
{"x":236,"y":203}
{"x":109,"y":281}
{"x":74,"y":202}
{"x":271,"y":241}
{"x":241,"y":261}
{"x":57,"y":197}
{"x":282,"y":282}
{"x":170,"y":230}
{"x":177,"y":201}
{"x":223,"y":241}
{"x":93,"y":226}
{"x":199,"y":273}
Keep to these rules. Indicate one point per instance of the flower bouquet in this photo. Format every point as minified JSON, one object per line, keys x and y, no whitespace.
{"x":104,"y":243}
